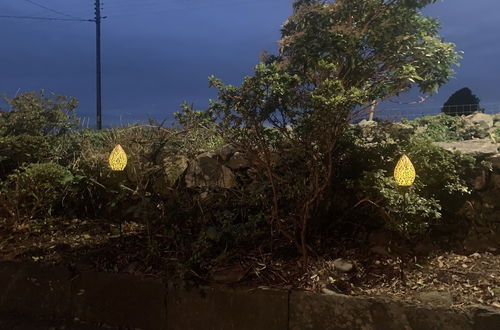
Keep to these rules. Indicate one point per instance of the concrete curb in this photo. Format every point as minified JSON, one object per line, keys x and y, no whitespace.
{"x":126,"y":301}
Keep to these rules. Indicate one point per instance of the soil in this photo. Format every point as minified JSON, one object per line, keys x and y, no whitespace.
{"x":438,"y":276}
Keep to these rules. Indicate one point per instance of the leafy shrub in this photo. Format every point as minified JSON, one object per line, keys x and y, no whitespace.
{"x":37,"y":190}
{"x":439,"y":190}
{"x":33,"y":129}
{"x":443,"y":128}
{"x":33,"y":113}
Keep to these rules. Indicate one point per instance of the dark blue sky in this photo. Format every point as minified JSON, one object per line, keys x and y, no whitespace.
{"x":158,"y":53}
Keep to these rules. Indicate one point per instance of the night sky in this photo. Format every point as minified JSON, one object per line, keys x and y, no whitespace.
{"x":158,"y":53}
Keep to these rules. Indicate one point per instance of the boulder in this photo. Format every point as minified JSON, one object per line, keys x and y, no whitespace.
{"x":367,"y":123}
{"x":495,"y":161}
{"x":225,"y":152}
{"x":479,"y":148}
{"x":480,"y":182}
{"x":342,"y":265}
{"x":174,"y":166}
{"x":483,"y":120}
{"x":237,"y":161}
{"x":495,"y":180}
{"x":206,"y":171}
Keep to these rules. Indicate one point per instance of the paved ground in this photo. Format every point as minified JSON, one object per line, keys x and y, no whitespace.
{"x":15,"y":322}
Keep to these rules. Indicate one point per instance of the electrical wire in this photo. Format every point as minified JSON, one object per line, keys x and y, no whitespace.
{"x":47,"y":18}
{"x":145,"y":10}
{"x":52,"y":10}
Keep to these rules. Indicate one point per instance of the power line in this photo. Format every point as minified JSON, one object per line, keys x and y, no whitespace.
{"x":48,"y":18}
{"x":52,"y":10}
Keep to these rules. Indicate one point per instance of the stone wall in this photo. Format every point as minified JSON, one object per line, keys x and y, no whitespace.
{"x":127,"y":302}
{"x":228,"y":168}
{"x":482,"y":208}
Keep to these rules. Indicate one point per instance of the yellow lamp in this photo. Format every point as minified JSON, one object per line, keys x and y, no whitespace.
{"x":404,"y":172}
{"x":118,"y":159}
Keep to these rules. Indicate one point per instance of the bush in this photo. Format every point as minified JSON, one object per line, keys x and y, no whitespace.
{"x":445,"y":128}
{"x":33,"y":113}
{"x":33,"y":129}
{"x":439,"y":190}
{"x":37,"y":190}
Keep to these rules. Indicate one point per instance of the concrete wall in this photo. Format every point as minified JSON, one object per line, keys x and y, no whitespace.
{"x":125,"y":301}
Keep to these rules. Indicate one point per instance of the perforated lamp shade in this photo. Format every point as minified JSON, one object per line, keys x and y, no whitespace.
{"x":404,"y":172}
{"x":118,"y":159}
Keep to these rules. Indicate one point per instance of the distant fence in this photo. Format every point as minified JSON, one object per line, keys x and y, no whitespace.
{"x":411,"y":112}
{"x":382,"y":112}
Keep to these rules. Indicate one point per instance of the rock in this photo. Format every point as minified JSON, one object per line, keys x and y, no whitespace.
{"x":486,"y":318}
{"x":380,"y":250}
{"x":495,"y":162}
{"x":481,"y":119}
{"x":402,"y":128}
{"x":482,"y":242}
{"x":490,"y":198}
{"x":435,"y":298}
{"x":231,"y":274}
{"x":480,"y":181}
{"x":174,"y":166}
{"x":206,"y":171}
{"x":495,"y":180}
{"x":226,"y":152}
{"x":479,"y":148}
{"x":421,"y":129}
{"x":328,"y":291}
{"x":342,"y":265}
{"x":367,"y":123}
{"x":380,"y":237}
{"x":237,"y":161}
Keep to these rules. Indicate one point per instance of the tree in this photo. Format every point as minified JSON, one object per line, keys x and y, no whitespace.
{"x":462,"y":102}
{"x":336,"y":58}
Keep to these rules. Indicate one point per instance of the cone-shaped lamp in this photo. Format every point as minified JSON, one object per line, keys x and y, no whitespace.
{"x":118,"y":159}
{"x":404,"y":172}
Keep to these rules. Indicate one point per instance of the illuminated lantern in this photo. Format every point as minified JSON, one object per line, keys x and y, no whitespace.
{"x":118,"y":158}
{"x":404,"y":172}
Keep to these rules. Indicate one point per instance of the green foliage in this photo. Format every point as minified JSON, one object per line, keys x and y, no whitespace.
{"x":440,"y":188}
{"x":291,"y":117}
{"x":35,"y":114}
{"x":380,"y":46}
{"x":190,"y":118}
{"x":31,"y":129}
{"x":408,"y":212}
{"x":336,"y":58}
{"x":444,"y":128}
{"x":37,"y":190}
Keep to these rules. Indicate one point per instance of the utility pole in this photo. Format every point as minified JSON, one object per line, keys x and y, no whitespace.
{"x":98,"y":62}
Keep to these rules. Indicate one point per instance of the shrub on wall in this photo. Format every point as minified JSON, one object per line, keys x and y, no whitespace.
{"x":439,"y":190}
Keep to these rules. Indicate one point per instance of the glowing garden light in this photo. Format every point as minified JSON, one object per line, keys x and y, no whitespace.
{"x":118,"y":159}
{"x":404,"y":172}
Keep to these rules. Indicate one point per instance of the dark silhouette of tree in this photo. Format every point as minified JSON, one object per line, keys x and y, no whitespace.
{"x":462,"y":102}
